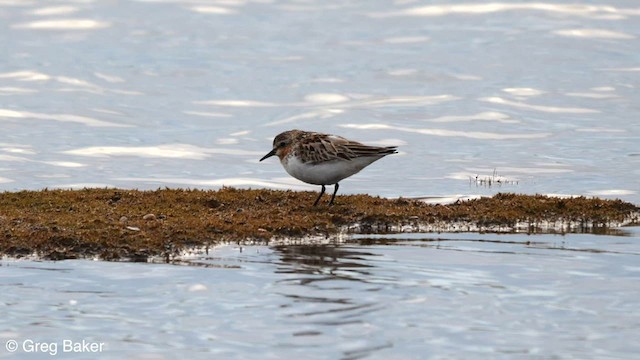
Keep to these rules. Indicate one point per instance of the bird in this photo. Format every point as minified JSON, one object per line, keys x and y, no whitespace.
{"x":323,"y":159}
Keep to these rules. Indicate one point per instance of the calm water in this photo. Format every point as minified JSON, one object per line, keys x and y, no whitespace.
{"x":189,"y":93}
{"x":153,"y":93}
{"x":439,"y":296}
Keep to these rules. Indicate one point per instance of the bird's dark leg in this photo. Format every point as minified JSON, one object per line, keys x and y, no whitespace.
{"x":319,"y":196}
{"x":334,"y":193}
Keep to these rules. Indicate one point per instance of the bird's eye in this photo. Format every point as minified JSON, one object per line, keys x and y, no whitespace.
{"x":282,"y":144}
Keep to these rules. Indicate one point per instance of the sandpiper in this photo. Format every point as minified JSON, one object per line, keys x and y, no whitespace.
{"x":323,"y":159}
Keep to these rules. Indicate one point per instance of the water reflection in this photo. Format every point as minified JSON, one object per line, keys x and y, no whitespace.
{"x":626,"y":69}
{"x":450,"y":133}
{"x":25,"y":75}
{"x":396,"y":296}
{"x":137,"y":103}
{"x":338,"y":101}
{"x":55,"y":10}
{"x":484,"y":116}
{"x":593,"y":95}
{"x":85,"y":120}
{"x":541,"y":108}
{"x":179,"y":151}
{"x":63,"y":24}
{"x":594,"y":34}
{"x":218,"y":10}
{"x":607,"y":12}
{"x":208,"y":114}
{"x":406,"y":39}
{"x":63,"y":83}
{"x":322,"y":259}
{"x":12,"y":90}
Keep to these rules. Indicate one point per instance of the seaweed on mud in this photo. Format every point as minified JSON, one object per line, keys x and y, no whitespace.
{"x":115,"y":224}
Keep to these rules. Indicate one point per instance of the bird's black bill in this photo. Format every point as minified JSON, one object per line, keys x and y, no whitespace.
{"x":270,"y":154}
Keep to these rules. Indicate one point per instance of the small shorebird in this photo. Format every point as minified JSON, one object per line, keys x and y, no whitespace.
{"x":323,"y":159}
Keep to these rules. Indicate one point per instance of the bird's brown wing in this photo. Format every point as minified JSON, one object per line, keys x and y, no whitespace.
{"x":317,"y":148}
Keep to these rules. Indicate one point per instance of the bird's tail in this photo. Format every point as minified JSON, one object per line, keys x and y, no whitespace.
{"x":388,"y":150}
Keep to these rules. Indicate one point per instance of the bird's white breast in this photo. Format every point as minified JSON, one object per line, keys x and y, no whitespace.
{"x":325,"y":173}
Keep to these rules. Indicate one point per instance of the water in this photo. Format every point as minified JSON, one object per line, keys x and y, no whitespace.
{"x":410,"y":296}
{"x":146,"y":94}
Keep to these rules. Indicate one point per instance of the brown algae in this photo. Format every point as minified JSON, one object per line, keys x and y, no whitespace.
{"x":116,"y":224}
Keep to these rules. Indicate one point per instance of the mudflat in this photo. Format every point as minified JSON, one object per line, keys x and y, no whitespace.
{"x":120,"y":224}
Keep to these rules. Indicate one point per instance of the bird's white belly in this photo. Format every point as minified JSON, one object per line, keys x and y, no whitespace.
{"x":327,"y":173}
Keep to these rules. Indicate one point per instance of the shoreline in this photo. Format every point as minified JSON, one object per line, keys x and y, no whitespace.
{"x":134,"y":225}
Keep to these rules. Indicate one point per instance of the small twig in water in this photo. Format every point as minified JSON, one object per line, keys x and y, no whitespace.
{"x":491,"y":180}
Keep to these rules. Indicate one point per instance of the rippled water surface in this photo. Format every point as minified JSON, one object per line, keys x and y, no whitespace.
{"x":542,"y":96}
{"x":190,"y":93}
{"x":437,"y":296}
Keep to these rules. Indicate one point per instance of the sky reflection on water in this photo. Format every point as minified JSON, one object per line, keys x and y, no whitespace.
{"x":191,"y":93}
{"x":410,"y":296}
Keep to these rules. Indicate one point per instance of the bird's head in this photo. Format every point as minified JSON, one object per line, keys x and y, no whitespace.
{"x":282,"y":144}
